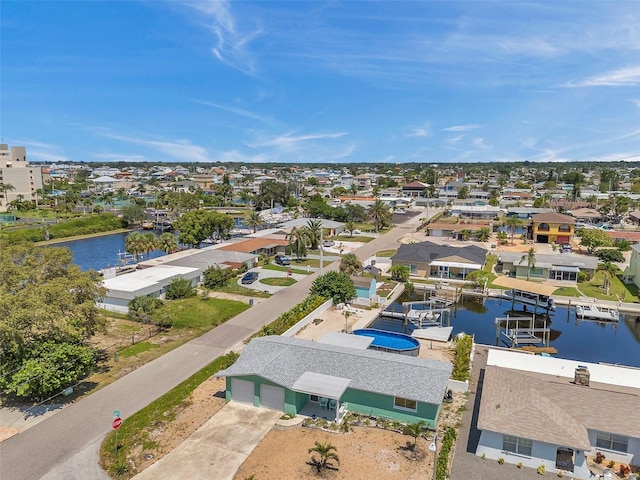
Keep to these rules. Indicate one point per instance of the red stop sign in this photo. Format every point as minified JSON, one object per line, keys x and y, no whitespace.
{"x":116,"y":422}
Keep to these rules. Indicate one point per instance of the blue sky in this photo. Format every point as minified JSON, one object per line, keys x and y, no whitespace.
{"x":334,"y":82}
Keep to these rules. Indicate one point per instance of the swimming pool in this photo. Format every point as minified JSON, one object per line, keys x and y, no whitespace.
{"x":391,"y":341}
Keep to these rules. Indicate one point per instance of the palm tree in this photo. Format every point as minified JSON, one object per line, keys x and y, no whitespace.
{"x":297,"y":238}
{"x":415,"y":430}
{"x":167,"y":243}
{"x":150,"y":243}
{"x":134,"y":244}
{"x":380,"y":214}
{"x":350,"y":264}
{"x":254,"y":220}
{"x":483,"y":234}
{"x":530,"y":258}
{"x":314,"y":228}
{"x":351,"y":227}
{"x":610,"y":270}
{"x":465,"y":234}
{"x":327,"y":454}
{"x":513,"y":222}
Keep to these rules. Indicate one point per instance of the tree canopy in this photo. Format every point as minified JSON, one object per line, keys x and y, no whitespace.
{"x":593,"y":239}
{"x":335,"y":285}
{"x":44,"y":298}
{"x":198,"y":225}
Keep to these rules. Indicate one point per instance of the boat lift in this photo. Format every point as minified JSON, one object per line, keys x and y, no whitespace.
{"x":515,"y":336}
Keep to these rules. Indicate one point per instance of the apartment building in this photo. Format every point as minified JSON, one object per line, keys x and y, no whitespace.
{"x":16,"y":172}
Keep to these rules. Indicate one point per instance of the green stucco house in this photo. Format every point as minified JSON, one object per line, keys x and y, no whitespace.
{"x":287,"y":373}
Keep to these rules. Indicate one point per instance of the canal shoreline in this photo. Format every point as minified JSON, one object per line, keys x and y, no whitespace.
{"x":82,"y":237}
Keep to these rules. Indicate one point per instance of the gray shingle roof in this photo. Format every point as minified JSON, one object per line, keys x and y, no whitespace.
{"x":283,"y":360}
{"x":564,"y":259}
{"x":553,"y":409}
{"x":428,"y":252}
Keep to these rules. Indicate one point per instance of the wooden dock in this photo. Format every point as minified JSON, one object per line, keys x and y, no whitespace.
{"x":512,"y":334}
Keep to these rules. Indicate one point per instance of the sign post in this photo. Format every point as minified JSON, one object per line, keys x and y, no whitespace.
{"x":116,"y":424}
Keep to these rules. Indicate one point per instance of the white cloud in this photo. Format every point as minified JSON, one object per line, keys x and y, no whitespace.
{"x":461,"y":128}
{"x":237,"y":111}
{"x":42,"y":156}
{"x":120,"y":157}
{"x":288,"y":141}
{"x":627,"y":76}
{"x":239,"y":157}
{"x":232,"y":40}
{"x":181,"y":150}
{"x":454,"y":140}
{"x":421,"y":131}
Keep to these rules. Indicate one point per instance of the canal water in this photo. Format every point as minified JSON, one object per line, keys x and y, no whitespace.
{"x":99,"y":252}
{"x":578,"y":340}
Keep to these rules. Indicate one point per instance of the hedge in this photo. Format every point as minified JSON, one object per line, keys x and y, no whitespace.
{"x":443,"y":456}
{"x":289,"y":318}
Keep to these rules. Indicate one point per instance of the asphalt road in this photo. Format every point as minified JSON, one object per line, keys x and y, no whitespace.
{"x":48,"y":446}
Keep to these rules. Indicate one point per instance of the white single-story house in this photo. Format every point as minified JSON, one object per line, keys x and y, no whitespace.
{"x":444,"y":262}
{"x":287,"y":374}
{"x":335,"y":228}
{"x":558,"y":413}
{"x":148,"y":281}
{"x":558,"y":266}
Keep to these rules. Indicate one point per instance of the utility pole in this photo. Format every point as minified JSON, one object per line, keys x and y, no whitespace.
{"x":320,"y":247}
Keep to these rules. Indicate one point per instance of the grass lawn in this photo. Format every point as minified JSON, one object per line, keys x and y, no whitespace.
{"x":278,"y":281}
{"x":488,"y":267}
{"x":137,"y":349}
{"x":138,"y":428}
{"x":233,"y":287}
{"x":386,"y":253}
{"x":618,"y":291}
{"x":567,"y":292}
{"x":201,"y":315}
{"x":292,"y":268}
{"x":355,"y":238}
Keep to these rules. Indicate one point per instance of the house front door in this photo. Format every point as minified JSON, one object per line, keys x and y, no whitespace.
{"x":565,"y":458}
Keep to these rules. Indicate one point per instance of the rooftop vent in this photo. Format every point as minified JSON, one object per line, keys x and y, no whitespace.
{"x":581,"y":376}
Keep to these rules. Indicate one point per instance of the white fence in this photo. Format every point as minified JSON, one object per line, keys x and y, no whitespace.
{"x":306,"y":320}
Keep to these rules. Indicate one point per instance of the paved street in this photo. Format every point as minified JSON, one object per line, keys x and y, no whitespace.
{"x":78,"y":428}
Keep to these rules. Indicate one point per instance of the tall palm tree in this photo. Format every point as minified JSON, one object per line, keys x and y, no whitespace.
{"x":167,"y":243}
{"x":350,"y":264}
{"x":254,"y":220}
{"x":297,"y":238}
{"x":150,"y":243}
{"x":4,"y":188}
{"x":134,"y":244}
{"x":610,"y":270}
{"x":351,"y":227}
{"x":327,"y":453}
{"x":530,"y":258}
{"x":484,"y":234}
{"x":513,"y":222}
{"x":314,"y":228}
{"x":380,"y":214}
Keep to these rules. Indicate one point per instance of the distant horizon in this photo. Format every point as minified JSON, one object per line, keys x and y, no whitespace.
{"x":313,"y":82}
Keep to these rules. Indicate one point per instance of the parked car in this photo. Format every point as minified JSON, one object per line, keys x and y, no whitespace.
{"x":401,"y":211}
{"x":328,"y":243}
{"x":282,"y":260}
{"x":249,"y":278}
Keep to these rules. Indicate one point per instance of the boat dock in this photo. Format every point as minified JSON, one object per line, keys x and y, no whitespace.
{"x":508,"y":330}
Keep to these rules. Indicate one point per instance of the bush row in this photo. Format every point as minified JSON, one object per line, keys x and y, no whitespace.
{"x":289,"y":318}
{"x":443,"y":456}
{"x":79,"y":226}
{"x":462,"y":357}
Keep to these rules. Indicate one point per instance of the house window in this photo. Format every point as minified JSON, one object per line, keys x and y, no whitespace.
{"x":413,"y":269}
{"x":405,"y":404}
{"x":611,"y":441}
{"x":564,"y":228}
{"x":543,"y":227}
{"x":521,"y":446}
{"x":536,"y":272}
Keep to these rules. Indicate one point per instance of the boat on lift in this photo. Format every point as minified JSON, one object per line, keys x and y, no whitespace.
{"x":593,"y":311}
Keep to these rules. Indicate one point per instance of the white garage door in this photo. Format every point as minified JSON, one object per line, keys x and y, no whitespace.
{"x":272,"y":397}
{"x":242,"y":390}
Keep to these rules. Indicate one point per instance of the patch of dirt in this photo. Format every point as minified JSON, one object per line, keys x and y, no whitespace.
{"x":365,"y":453}
{"x":204,"y":402}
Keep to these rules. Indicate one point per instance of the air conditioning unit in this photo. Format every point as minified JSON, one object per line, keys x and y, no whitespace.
{"x":581,"y":376}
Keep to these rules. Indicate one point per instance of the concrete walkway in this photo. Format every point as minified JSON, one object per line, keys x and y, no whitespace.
{"x":217,"y":448}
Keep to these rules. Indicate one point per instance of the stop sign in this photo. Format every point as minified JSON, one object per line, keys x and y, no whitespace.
{"x":116,"y":422}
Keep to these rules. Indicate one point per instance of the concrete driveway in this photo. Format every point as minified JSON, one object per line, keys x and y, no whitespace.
{"x":217,"y":448}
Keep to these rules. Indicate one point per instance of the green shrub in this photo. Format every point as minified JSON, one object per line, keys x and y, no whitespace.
{"x":180,"y":288}
{"x":141,"y":309}
{"x":289,"y":318}
{"x":583,"y":277}
{"x":83,"y":226}
{"x":462,"y":357}
{"x":541,"y":470}
{"x":610,"y":255}
{"x":443,"y":456}
{"x":216,"y":277}
{"x":623,"y":245}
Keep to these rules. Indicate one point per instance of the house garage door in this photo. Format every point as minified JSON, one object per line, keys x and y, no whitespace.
{"x":242,"y":390}
{"x":272,"y":397}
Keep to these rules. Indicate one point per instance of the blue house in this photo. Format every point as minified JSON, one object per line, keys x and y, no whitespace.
{"x":365,"y":289}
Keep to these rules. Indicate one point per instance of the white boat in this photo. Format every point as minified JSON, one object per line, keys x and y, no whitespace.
{"x":597,"y":312}
{"x":420,"y":318}
{"x":530,"y":298}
